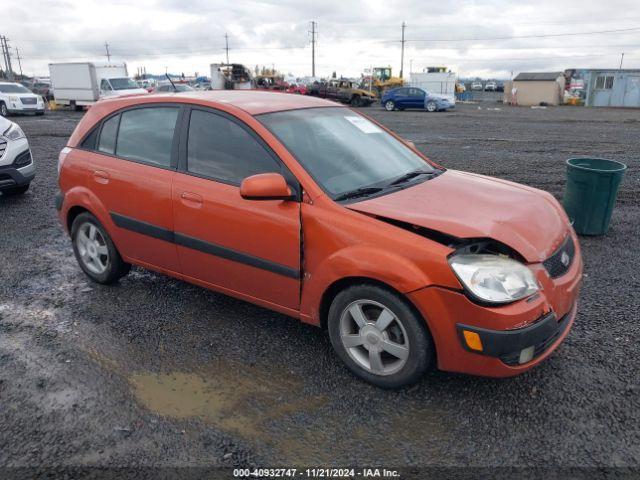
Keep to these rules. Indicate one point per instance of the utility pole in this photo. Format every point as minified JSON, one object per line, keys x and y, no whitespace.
{"x":106,"y":47}
{"x":6,"y":54}
{"x":402,"y":51}
{"x":226,"y":42}
{"x":313,"y":48}
{"x":19,"y":58}
{"x":621,"y":59}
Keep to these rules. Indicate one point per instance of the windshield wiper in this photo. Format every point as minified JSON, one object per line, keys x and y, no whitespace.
{"x":358,"y":192}
{"x":408,"y":176}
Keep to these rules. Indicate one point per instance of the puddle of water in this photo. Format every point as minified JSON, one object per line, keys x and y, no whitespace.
{"x":233,"y":397}
{"x":268,"y":405}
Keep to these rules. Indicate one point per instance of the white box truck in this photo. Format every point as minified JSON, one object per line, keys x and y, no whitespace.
{"x":84,"y":83}
{"x":439,"y":83}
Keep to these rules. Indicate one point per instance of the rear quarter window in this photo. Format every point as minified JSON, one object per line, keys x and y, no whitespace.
{"x":108,"y":133}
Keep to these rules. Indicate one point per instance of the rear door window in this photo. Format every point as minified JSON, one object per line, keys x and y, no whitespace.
{"x":107,"y":143}
{"x":146,"y":135}
{"x":221,"y":149}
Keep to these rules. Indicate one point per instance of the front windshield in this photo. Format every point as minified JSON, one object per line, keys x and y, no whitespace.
{"x":342,"y":150}
{"x":123,"y":83}
{"x":14,"y":88}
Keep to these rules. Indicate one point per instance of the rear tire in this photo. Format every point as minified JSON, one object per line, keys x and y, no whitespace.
{"x":95,"y":252}
{"x":389,"y":106}
{"x":10,"y":192}
{"x":379,"y":336}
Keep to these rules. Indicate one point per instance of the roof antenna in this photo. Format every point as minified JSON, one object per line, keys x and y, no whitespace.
{"x":175,"y":89}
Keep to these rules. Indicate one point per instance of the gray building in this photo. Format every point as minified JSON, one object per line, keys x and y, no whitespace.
{"x":613,"y":88}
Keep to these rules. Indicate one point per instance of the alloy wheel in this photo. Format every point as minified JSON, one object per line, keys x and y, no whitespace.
{"x":389,"y":106}
{"x":374,"y":337}
{"x":92,"y":248}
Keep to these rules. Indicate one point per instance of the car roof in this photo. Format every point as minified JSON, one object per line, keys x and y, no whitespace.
{"x":254,"y":102}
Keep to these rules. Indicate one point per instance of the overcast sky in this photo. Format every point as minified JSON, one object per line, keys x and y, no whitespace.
{"x":488,"y":38}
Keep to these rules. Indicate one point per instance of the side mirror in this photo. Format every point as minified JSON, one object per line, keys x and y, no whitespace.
{"x":410,"y":143}
{"x":265,"y":186}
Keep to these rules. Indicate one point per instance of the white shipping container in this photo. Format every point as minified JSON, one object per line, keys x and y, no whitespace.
{"x":442,"y":84}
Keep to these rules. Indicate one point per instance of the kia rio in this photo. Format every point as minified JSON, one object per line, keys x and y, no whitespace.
{"x":311,"y":209}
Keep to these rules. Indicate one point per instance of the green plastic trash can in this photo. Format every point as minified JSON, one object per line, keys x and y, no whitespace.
{"x":590,"y":195}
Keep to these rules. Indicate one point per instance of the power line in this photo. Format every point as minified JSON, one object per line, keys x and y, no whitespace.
{"x":515,"y":37}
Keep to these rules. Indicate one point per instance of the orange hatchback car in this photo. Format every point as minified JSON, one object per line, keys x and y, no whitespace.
{"x":313,"y":210}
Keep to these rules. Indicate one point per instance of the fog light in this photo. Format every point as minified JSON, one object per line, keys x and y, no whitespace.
{"x":473,"y":340}
{"x":527,"y":354}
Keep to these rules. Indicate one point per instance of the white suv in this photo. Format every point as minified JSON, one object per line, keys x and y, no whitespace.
{"x":16,"y":165}
{"x":15,"y":98}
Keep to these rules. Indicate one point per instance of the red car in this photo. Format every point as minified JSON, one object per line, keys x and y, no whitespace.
{"x":299,"y":89}
{"x":313,"y":210}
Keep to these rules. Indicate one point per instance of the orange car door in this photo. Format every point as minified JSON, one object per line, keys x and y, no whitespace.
{"x":131,"y":170}
{"x":247,"y":247}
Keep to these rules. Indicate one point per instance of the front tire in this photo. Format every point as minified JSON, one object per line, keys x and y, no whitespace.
{"x":379,"y":336}
{"x":432,"y":107}
{"x":355,"y":101}
{"x":389,"y":106}
{"x":95,"y":252}
{"x":4,"y":111}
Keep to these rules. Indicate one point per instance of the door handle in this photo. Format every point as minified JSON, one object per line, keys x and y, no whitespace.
{"x":191,"y":199}
{"x":101,"y":176}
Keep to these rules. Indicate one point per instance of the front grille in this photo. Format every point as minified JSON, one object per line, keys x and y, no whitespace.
{"x":558,"y":264}
{"x":28,"y":100}
{"x":3,"y":147}
{"x":513,"y":358}
{"x":23,"y":159}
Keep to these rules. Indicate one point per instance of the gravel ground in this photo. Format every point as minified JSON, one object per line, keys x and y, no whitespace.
{"x":156,"y":372}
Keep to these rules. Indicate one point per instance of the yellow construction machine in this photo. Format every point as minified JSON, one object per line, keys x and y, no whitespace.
{"x":380,"y":80}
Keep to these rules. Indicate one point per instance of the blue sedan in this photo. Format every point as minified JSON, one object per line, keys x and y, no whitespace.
{"x":412,"y":97}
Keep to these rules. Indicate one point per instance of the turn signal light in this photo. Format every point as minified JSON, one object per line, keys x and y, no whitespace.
{"x":473,"y":340}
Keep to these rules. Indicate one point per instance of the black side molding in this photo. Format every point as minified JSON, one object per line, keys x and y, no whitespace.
{"x":166,"y":235}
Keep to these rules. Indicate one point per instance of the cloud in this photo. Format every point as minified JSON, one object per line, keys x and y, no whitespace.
{"x":188,"y":35}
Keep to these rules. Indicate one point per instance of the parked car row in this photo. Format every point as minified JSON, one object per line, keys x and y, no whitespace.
{"x":489,"y":86}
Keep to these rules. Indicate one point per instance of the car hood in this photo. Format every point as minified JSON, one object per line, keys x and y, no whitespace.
{"x":467,"y":205}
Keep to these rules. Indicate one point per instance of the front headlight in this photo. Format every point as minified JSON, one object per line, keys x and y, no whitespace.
{"x":13,"y":98}
{"x":14,"y":132}
{"x":494,"y":279}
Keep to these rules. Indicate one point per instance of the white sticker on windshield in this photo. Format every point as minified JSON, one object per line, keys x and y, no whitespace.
{"x":364,"y":125}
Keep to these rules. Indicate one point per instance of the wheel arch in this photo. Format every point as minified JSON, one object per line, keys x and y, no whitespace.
{"x":341,"y":284}
{"x":73,"y":213}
